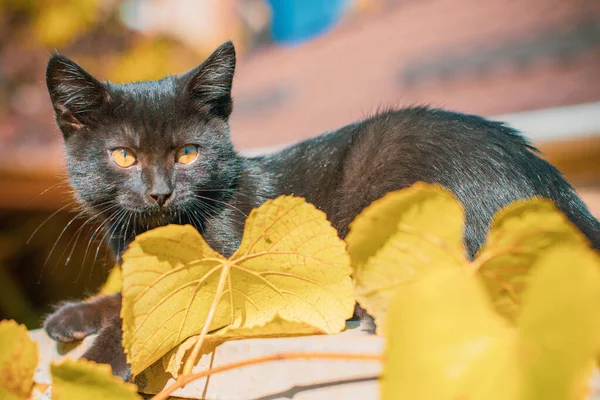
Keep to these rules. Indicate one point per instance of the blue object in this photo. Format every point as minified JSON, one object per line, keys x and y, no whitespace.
{"x":296,"y":21}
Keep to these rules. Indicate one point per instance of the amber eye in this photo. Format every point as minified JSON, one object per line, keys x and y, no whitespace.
{"x":187,"y":154}
{"x":124,"y":158}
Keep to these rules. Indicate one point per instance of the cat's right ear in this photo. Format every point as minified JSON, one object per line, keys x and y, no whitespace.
{"x":210,"y":83}
{"x":76,"y":95}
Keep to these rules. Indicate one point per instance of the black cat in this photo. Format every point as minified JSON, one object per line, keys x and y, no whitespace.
{"x":145,"y":154}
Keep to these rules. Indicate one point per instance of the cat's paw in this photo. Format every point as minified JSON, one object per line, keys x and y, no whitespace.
{"x":73,"y":321}
{"x":107,"y":349}
{"x":367,"y":323}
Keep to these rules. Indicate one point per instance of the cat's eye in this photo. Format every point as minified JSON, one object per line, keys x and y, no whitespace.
{"x":124,"y":158}
{"x":187,"y":154}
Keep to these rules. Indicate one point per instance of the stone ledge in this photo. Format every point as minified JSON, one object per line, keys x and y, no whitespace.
{"x":297,"y":379}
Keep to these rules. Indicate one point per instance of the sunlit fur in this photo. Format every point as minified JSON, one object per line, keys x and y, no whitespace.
{"x":485,"y":164}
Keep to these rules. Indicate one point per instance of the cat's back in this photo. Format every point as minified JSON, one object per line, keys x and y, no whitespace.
{"x":423,"y":130}
{"x":395,"y":148}
{"x":486,"y":164}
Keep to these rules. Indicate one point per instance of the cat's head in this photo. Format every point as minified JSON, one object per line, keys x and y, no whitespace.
{"x":147,"y":148}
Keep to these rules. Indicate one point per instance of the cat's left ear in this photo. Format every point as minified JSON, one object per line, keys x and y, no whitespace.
{"x":209,"y":84}
{"x":76,"y":95}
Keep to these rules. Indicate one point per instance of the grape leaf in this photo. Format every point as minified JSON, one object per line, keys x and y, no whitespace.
{"x":277,"y":327}
{"x":113,"y":283}
{"x":385,"y":255}
{"x":520,"y":233}
{"x":290,"y":264}
{"x":559,"y":328}
{"x":438,"y":328}
{"x":173,"y":360}
{"x":18,"y":361}
{"x":445,"y":341}
{"x":400,"y":237}
{"x":82,"y":379}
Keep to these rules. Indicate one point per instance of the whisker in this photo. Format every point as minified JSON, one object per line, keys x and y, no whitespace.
{"x":209,"y":208}
{"x":46,"y":220}
{"x":110,"y":228}
{"x":114,"y":217}
{"x":205,"y":211}
{"x":61,"y":182}
{"x":87,"y":249}
{"x":120,"y":238}
{"x":125,"y":237}
{"x":80,"y":230}
{"x":82,"y":265}
{"x":56,"y":243}
{"x":75,"y":240}
{"x":108,"y":241}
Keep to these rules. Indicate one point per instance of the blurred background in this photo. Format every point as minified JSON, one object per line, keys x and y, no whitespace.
{"x":305,"y":67}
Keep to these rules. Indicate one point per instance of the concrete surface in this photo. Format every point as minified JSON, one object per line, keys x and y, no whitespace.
{"x":297,"y":379}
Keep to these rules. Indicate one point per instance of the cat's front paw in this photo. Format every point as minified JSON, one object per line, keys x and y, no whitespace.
{"x":73,"y":321}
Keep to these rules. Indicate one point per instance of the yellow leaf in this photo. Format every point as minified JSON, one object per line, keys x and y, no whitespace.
{"x":438,"y":328}
{"x":445,"y":341}
{"x":398,"y":238}
{"x":169,"y":277}
{"x":559,"y":325}
{"x":114,"y":282}
{"x":520,"y":233}
{"x":290,"y":264}
{"x":18,"y":360}
{"x":277,"y":327}
{"x":173,"y":361}
{"x":82,"y":379}
{"x":6,"y":395}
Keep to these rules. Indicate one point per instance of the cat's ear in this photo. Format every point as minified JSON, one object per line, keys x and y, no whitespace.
{"x":76,"y":95}
{"x":210,"y":83}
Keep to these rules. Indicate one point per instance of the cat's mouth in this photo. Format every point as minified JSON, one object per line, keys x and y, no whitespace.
{"x":156,"y":218}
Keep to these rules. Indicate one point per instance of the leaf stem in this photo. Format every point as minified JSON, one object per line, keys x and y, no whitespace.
{"x":191,"y":361}
{"x":187,"y":378}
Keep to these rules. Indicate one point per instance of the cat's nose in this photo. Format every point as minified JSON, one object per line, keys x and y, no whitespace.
{"x":160,"y":198}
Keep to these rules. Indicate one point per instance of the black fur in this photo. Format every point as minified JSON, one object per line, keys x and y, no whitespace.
{"x":486,"y":164}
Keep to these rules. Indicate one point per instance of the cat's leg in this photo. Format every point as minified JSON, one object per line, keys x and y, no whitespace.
{"x":108,"y":349}
{"x":367,"y":323}
{"x":74,"y":321}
